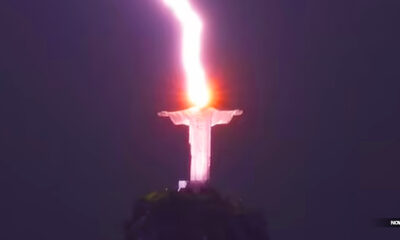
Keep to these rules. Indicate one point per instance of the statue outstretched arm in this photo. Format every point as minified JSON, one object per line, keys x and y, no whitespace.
{"x":224,"y":116}
{"x":178,"y":117}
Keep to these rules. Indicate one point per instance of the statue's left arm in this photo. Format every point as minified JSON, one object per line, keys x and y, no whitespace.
{"x":224,"y":116}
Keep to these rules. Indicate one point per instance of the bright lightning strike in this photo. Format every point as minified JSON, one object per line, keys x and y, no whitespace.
{"x":191,"y":25}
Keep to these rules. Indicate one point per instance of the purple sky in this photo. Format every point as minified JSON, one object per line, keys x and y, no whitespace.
{"x":317,"y":149}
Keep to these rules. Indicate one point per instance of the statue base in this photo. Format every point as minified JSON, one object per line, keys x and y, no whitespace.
{"x":194,"y":212}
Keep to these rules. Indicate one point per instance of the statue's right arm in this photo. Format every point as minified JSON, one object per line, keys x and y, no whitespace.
{"x":178,"y":117}
{"x":163,"y":114}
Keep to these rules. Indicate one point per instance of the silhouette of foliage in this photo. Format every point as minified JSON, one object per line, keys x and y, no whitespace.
{"x":193,"y":215}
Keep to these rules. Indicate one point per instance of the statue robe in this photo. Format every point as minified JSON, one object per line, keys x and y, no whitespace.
{"x":200,"y":122}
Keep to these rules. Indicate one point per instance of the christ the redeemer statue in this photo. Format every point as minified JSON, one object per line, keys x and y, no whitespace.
{"x":200,"y":121}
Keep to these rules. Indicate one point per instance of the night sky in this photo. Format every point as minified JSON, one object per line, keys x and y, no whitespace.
{"x":317,"y":148}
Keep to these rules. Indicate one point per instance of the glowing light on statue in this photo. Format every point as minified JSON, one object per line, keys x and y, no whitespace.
{"x":201,"y":117}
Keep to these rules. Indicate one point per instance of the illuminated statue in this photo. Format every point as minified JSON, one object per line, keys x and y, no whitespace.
{"x":199,"y":118}
{"x":200,"y":121}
